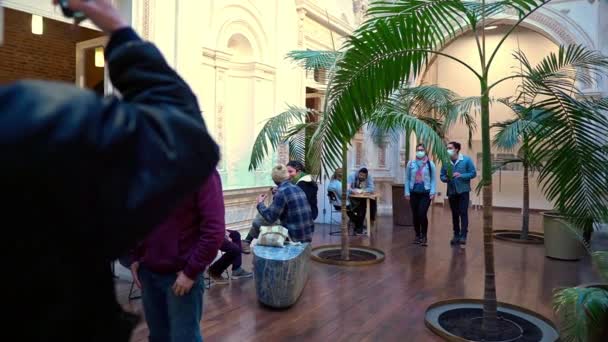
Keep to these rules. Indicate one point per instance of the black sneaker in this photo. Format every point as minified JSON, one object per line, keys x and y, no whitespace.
{"x":463,"y":240}
{"x":423,"y":242}
{"x":455,"y":240}
{"x":416,"y":240}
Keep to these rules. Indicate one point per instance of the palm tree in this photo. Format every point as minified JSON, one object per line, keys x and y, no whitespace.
{"x":511,"y":134}
{"x":407,"y":110}
{"x":400,"y":37}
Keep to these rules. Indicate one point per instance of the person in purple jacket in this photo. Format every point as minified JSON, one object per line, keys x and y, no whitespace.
{"x":169,"y":262}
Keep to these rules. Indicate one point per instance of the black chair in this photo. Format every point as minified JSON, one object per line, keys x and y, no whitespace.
{"x":335,"y":208}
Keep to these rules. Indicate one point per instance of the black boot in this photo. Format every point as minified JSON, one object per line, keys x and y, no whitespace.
{"x":463,"y":239}
{"x":423,"y":241}
{"x":417,"y":240}
{"x":455,"y":240}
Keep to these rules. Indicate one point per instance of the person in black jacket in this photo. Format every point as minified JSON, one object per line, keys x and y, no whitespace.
{"x":83,"y":178}
{"x":306,"y":183}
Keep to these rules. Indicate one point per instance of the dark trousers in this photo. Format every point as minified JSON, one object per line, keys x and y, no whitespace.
{"x":459,"y":203}
{"x":358,"y":211}
{"x":420,"y":203}
{"x":171,"y":318}
{"x":232,"y":254}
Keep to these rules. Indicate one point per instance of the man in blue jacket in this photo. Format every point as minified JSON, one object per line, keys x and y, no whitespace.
{"x":459,"y":187}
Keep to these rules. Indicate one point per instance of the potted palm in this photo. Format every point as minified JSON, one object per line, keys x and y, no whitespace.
{"x":511,"y":134}
{"x":582,"y":311}
{"x":393,"y":46}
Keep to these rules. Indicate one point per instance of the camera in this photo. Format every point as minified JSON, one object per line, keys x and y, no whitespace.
{"x":67,"y":11}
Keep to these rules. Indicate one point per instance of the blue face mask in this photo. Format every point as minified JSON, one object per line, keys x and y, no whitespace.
{"x":420,"y":154}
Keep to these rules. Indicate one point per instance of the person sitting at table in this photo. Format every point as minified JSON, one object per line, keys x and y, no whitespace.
{"x":361,"y":182}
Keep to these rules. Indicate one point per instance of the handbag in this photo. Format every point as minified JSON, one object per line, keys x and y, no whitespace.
{"x":273,"y":236}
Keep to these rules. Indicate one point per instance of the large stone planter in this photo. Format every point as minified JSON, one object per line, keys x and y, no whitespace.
{"x":560,"y":241}
{"x":280,"y":273}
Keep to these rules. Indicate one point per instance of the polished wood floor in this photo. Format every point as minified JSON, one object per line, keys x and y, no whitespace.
{"x":386,"y":302}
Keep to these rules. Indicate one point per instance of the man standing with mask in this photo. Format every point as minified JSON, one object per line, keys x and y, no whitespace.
{"x":459,"y":187}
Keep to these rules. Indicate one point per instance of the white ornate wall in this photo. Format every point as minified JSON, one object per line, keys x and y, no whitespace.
{"x":232,"y":53}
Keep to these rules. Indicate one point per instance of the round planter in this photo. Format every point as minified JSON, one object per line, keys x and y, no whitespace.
{"x":560,"y":241}
{"x":360,"y":255}
{"x":534,"y":238}
{"x":442,"y":317}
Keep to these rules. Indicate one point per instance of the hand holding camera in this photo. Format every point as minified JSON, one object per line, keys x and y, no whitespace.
{"x":101,"y":12}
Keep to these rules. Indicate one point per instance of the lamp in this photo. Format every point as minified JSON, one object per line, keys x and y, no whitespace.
{"x":99,"y":59}
{"x":488,"y":28}
{"x":37,"y":25}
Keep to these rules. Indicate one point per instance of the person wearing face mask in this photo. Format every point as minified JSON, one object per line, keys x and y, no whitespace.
{"x":459,"y":187}
{"x":361,"y":181}
{"x":420,"y":191}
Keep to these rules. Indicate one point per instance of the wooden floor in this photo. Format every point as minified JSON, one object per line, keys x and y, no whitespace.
{"x":386,"y":302}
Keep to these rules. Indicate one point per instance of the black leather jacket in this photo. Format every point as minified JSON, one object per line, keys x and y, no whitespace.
{"x":82,"y":179}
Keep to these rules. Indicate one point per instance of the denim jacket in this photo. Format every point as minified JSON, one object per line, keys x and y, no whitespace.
{"x":464,"y":165}
{"x":370,"y":182}
{"x":430,"y":183}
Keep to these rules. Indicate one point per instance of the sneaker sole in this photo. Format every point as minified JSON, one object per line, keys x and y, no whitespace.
{"x":241,"y":277}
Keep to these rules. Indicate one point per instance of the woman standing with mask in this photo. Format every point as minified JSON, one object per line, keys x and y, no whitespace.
{"x":420,"y":191}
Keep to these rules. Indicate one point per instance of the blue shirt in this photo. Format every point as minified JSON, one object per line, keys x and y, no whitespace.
{"x":429,"y":183}
{"x":463,"y":165}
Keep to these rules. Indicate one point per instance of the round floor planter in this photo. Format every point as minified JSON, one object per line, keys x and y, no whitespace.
{"x":359,"y":255}
{"x":560,"y":241}
{"x":460,"y":320}
{"x":534,"y":238}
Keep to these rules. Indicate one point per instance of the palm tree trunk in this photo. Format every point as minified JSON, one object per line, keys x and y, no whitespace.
{"x":344,"y":229}
{"x":525,"y":225}
{"x":490,"y":320}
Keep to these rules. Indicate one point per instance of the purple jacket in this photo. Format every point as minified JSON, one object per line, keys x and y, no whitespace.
{"x":188,"y":240}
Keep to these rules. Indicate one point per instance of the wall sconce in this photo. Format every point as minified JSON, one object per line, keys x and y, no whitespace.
{"x":99,"y":58}
{"x":37,"y":24}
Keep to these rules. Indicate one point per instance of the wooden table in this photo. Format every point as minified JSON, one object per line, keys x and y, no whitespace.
{"x":368,"y":197}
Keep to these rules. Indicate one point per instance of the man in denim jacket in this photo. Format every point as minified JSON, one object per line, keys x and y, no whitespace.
{"x":459,"y":187}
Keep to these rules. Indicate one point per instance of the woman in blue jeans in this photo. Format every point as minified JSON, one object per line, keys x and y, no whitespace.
{"x":420,"y":187}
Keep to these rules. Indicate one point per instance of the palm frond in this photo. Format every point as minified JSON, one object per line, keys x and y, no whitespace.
{"x":561,"y":70}
{"x":314,"y":59}
{"x":274,"y":132}
{"x":424,"y":132}
{"x":583,"y":312}
{"x":575,"y":169}
{"x":600,"y":260}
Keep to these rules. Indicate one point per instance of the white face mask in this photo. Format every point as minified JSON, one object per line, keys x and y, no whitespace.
{"x":451,"y":152}
{"x":420,"y":154}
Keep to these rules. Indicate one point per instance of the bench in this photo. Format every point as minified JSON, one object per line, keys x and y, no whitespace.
{"x":280,"y":273}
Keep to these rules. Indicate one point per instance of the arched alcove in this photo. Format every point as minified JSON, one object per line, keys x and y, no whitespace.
{"x":240,"y":48}
{"x":449,"y":74}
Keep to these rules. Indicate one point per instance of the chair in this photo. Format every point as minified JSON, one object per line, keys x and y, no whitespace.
{"x":335,"y":208}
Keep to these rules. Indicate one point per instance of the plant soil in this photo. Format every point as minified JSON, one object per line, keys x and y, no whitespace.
{"x":355,"y":255}
{"x":466,"y":323}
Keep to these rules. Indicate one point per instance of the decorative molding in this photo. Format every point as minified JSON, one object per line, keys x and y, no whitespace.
{"x":320,"y":15}
{"x":145,"y":20}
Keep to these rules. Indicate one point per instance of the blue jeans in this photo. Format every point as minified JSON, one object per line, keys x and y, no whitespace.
{"x":459,"y":203}
{"x":171,"y":318}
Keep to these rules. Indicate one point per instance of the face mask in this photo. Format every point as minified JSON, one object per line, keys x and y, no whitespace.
{"x":420,"y":154}
{"x":451,"y":152}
